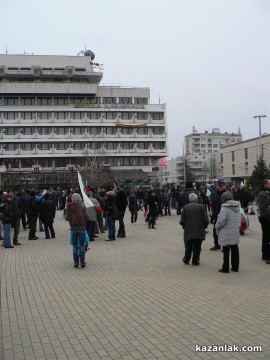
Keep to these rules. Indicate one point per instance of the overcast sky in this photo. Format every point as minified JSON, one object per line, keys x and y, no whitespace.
{"x":209,"y":61}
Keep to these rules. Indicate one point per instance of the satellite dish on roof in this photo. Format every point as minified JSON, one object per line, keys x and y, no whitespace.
{"x":89,"y":53}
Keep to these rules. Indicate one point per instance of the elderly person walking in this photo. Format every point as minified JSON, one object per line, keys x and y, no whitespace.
{"x":227,"y":227}
{"x":194,"y":220}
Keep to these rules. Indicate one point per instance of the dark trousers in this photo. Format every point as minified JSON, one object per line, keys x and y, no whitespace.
{"x":23,"y":219}
{"x":151,"y":218}
{"x":32,"y":226}
{"x":16,"y":230}
{"x":234,"y":257}
{"x":215,"y":236}
{"x":167,"y":207}
{"x":90,"y":228}
{"x":121,"y":230}
{"x":265,"y":224}
{"x":134,"y":215}
{"x":193,"y":248}
{"x":47,"y":227}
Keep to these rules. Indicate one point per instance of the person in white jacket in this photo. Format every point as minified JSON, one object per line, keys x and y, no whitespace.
{"x":227,"y":227}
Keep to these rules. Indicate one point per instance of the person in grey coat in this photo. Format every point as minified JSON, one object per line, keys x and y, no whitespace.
{"x":227,"y":227}
{"x":194,"y":220}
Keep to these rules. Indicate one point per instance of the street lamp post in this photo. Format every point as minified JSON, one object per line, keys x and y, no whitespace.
{"x":260,"y":132}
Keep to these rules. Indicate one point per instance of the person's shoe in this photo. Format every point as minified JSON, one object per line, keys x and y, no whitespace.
{"x":9,"y":247}
{"x":267,"y":261}
{"x":34,"y":238}
{"x":223,"y":271}
{"x":241,"y":232}
{"x":47,"y":237}
{"x":185,"y":261}
{"x":76,"y":266}
{"x":108,"y":239}
{"x":215,"y":248}
{"x":95,"y":236}
{"x":234,"y":270}
{"x":82,"y":266}
{"x":16,"y":243}
{"x":53,"y":237}
{"x":195,"y":263}
{"x":153,"y":227}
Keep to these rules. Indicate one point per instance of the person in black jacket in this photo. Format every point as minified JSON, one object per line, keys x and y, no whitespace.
{"x":216,"y":206}
{"x":32,"y":215}
{"x":121,"y":203}
{"x":16,"y":209}
{"x":47,"y":213}
{"x":152,"y":205}
{"x":7,"y":220}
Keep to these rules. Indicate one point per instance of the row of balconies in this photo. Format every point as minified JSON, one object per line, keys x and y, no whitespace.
{"x":86,"y":152}
{"x":70,"y":135}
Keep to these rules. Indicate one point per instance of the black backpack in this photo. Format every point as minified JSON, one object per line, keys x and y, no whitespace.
{"x":2,"y":215}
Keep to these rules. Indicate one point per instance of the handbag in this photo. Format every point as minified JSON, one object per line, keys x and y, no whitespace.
{"x":115,"y":212}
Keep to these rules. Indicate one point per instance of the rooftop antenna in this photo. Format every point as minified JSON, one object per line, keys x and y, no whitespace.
{"x":6,"y":50}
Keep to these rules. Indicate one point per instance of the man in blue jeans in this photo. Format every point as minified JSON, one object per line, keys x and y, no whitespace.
{"x":77,"y":217}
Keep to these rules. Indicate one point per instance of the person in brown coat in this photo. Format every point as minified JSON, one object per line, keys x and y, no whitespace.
{"x":194,"y":220}
{"x":77,"y":217}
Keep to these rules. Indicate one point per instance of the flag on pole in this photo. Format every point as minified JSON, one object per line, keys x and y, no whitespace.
{"x":85,"y":190}
{"x":87,"y":201}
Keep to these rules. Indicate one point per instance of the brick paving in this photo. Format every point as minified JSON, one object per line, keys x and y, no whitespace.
{"x":134,"y":300}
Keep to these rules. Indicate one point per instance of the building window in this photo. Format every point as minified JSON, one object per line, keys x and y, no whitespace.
{"x":10,"y":115}
{"x":221,"y":158}
{"x":61,"y":162}
{"x":27,"y":146}
{"x":111,"y":145}
{"x":233,"y":169}
{"x":61,"y":115}
{"x":159,"y":145}
{"x":112,"y":161}
{"x":28,"y":115}
{"x":141,"y":101}
{"x":61,"y":146}
{"x":233,"y":158}
{"x":94,"y":130}
{"x":10,"y":101}
{"x":78,"y":146}
{"x":109,"y":100}
{"x":28,"y":131}
{"x":93,"y":115}
{"x":93,"y":100}
{"x":157,"y":116}
{"x":61,"y":130}
{"x":142,"y":115}
{"x":127,"y":145}
{"x":77,"y":115}
{"x":44,"y":115}
{"x":246,"y":167}
{"x":157,"y":130}
{"x":11,"y":147}
{"x":27,"y":101}
{"x":143,"y":145}
{"x":60,"y":101}
{"x":46,"y":101}
{"x":246,"y":153}
{"x":77,"y":100}
{"x":125,"y":100}
{"x":126,"y":115}
{"x":77,"y":130}
{"x":142,"y":131}
{"x":10,"y":131}
{"x":110,"y":115}
{"x":110,"y":130}
{"x":44,"y":131}
{"x":142,"y":161}
{"x":127,"y":130}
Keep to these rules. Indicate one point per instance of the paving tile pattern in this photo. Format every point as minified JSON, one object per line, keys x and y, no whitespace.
{"x":134,"y":300}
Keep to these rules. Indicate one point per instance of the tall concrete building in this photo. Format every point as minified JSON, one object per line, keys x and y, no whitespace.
{"x":54,"y":113}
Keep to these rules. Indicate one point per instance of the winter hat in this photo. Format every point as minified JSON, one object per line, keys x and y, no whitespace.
{"x":227,"y":195}
{"x":76,"y":197}
{"x":110,"y":193}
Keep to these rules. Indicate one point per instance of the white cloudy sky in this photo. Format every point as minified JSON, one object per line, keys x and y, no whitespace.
{"x":208,"y":60}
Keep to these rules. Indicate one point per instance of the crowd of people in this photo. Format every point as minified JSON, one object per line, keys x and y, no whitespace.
{"x":218,"y":204}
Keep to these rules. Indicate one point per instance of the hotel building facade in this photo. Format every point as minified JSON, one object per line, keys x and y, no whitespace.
{"x":54,"y":114}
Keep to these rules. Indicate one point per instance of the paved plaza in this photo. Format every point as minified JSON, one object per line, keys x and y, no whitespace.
{"x":134,"y":300}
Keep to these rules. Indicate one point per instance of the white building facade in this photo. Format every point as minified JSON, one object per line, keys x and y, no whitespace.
{"x":54,"y":112}
{"x":237,"y":161}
